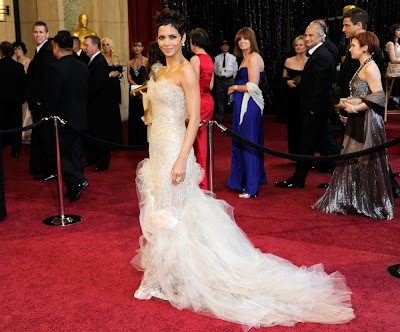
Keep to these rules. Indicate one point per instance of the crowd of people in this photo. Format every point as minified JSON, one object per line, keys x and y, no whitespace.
{"x":229,"y":83}
{"x":192,"y":252}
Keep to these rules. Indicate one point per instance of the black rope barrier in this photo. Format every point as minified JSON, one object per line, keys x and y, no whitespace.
{"x":261,"y":148}
{"x":110,"y":145}
{"x":297,"y":157}
{"x":16,"y":130}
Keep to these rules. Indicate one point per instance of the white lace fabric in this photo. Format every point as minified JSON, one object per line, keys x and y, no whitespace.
{"x":195,"y":256}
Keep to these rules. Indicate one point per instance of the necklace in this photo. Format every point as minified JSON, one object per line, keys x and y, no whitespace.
{"x":356,"y":73}
{"x":137,"y":71}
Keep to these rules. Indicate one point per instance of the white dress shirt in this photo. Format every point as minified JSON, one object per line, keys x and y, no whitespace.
{"x":311,"y":51}
{"x":40,"y":46}
{"x":231,"y":65}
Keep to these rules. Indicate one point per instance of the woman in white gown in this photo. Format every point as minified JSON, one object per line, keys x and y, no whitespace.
{"x":192,"y":252}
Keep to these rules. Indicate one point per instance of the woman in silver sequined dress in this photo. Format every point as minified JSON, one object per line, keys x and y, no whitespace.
{"x":192,"y":252}
{"x":362,"y":185}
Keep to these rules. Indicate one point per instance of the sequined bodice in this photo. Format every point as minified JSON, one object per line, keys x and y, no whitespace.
{"x":168,"y":129}
{"x":168,"y":109}
{"x":359,"y":87}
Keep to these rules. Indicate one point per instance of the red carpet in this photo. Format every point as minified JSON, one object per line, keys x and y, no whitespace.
{"x":79,"y":278}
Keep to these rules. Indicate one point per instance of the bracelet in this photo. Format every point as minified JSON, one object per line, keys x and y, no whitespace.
{"x":353,"y":108}
{"x":235,"y":87}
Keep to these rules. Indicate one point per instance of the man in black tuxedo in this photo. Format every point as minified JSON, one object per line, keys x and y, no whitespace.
{"x":78,"y":52}
{"x":12,"y":96}
{"x":99,"y":104}
{"x":354,"y":22}
{"x":69,"y":79}
{"x":42,"y":155}
{"x":316,"y":101}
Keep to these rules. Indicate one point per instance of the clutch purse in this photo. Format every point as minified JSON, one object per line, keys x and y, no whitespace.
{"x":296,"y":80}
{"x":349,"y":100}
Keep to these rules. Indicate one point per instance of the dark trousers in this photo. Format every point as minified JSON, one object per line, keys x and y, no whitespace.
{"x":42,"y":156}
{"x":98,"y":155}
{"x":3,"y":211}
{"x":71,"y":151}
{"x":221,"y":97}
{"x":313,"y":128}
{"x":11,"y":118}
{"x":328,"y":145}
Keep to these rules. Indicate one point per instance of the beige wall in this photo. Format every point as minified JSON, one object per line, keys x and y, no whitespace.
{"x":7,"y":28}
{"x":109,"y":18}
{"x":49,"y":11}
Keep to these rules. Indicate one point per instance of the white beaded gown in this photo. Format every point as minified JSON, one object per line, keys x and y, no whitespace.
{"x":195,"y":256}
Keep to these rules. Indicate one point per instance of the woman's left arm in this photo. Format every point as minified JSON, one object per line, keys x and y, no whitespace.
{"x":190,"y":85}
{"x":255,"y":66}
{"x":212,"y":82}
{"x":373,"y":77}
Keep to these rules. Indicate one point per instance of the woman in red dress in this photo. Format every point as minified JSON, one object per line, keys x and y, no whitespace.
{"x":204,"y":68}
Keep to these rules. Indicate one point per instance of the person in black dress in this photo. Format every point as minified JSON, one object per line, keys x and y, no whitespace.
{"x":292,"y":70}
{"x":136,"y":68}
{"x":115,"y":73}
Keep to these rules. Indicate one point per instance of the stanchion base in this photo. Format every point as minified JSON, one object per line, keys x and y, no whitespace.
{"x":394,"y":270}
{"x":66,"y":220}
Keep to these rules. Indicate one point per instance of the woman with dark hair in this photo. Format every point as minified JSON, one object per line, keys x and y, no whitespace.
{"x":20,"y":51}
{"x":362,"y":185}
{"x":192,"y":252}
{"x":247,"y":164}
{"x":392,"y":46}
{"x":204,"y":67}
{"x":136,"y":71}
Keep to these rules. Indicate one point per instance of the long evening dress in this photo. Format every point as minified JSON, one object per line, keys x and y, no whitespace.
{"x":247,"y":164}
{"x":137,"y":131}
{"x":361,"y":185}
{"x":195,"y":256}
{"x":206,"y":113}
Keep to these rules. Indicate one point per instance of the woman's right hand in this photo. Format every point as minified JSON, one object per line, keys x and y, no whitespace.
{"x":343,"y":119}
{"x":291,"y":84}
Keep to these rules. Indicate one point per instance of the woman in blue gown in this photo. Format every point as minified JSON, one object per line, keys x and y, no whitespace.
{"x":247,"y":164}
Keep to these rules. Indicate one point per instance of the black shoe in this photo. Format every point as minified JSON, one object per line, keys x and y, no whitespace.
{"x":76,"y":193}
{"x":88,"y":163}
{"x":15,"y":154}
{"x":396,"y":174}
{"x":323,"y":185}
{"x":396,"y":192}
{"x":46,"y":177}
{"x":326,"y":170}
{"x":99,"y":169}
{"x":289,"y":184}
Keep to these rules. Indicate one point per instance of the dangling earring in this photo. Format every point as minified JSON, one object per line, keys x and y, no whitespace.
{"x":183,"y":44}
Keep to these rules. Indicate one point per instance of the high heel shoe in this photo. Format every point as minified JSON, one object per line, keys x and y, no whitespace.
{"x":246,"y":195}
{"x":140,"y":295}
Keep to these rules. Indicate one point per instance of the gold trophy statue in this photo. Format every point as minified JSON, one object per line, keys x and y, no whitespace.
{"x":82,"y":31}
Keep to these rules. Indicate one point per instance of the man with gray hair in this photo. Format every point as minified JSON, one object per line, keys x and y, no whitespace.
{"x":316,"y":100}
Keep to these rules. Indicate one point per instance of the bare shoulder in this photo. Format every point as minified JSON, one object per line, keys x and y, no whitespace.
{"x":289,"y":61}
{"x":187,"y":72}
{"x":256,"y":60}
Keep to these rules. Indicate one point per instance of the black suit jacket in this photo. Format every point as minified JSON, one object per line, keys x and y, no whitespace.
{"x":316,"y":82}
{"x":12,"y":82}
{"x":82,"y":57}
{"x":100,"y":99}
{"x":38,"y":76}
{"x":69,"y":81}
